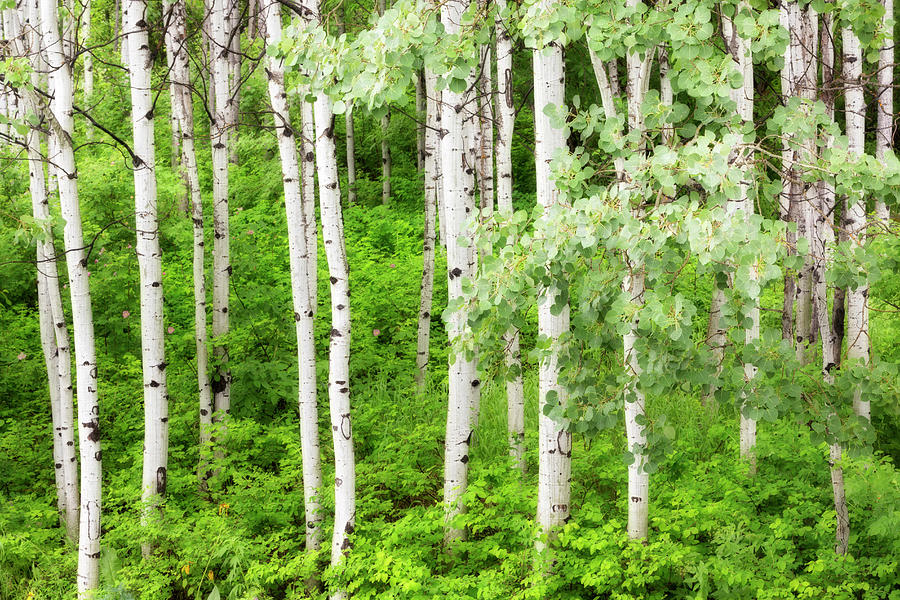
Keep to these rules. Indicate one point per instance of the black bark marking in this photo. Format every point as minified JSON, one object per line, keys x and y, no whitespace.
{"x":155,"y":284}
{"x":94,"y":435}
{"x":98,"y":455}
{"x":204,"y":412}
{"x":455,"y":272}
{"x":297,"y":316}
{"x":464,"y":459}
{"x":332,"y":279}
{"x":335,"y":333}
{"x":476,"y":383}
{"x":346,"y":430}
{"x":635,"y":499}
{"x":161,"y":481}
{"x":154,"y":384}
{"x":338,"y":482}
{"x":162,"y":366}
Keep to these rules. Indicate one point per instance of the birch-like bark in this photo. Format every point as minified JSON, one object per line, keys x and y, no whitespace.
{"x":884,"y":130}
{"x":221,"y":383}
{"x":855,"y":209}
{"x":304,"y":307}
{"x":555,"y":442}
{"x":633,"y":284}
{"x":386,"y":159}
{"x":339,"y":346}
{"x":174,"y":123}
{"x":420,"y":116}
{"x":350,"y":136}
{"x":484,"y":148}
{"x":54,"y":332}
{"x":88,"y":64}
{"x":463,"y":379}
{"x":182,"y":108}
{"x":431,"y":142}
{"x":741,"y":53}
{"x":233,"y":36}
{"x":506,"y":115}
{"x":63,"y":159}
{"x":149,"y":255}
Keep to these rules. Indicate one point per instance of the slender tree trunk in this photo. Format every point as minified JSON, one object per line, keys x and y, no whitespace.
{"x":88,"y":64}
{"x":855,"y":210}
{"x":350,"y":135}
{"x":54,"y":332}
{"x":505,"y":115}
{"x":63,"y":157}
{"x":386,"y":160}
{"x":884,"y":130}
{"x":221,"y":383}
{"x":638,"y":477}
{"x":174,"y":123}
{"x":233,"y":35}
{"x":484,"y":160}
{"x":304,"y":308}
{"x":431,"y":142}
{"x":555,"y":442}
{"x":149,"y":254}
{"x":463,"y":378}
{"x":741,"y":53}
{"x":420,"y":115}
{"x":176,"y":47}
{"x":339,"y":346}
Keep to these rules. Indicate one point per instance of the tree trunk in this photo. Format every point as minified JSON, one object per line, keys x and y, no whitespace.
{"x":88,"y":64}
{"x":350,"y":137}
{"x":484,"y":160}
{"x":304,"y":306}
{"x":555,"y":442}
{"x":855,"y":210}
{"x":884,"y":130}
{"x":54,"y":332}
{"x":741,"y":53}
{"x":221,"y":383}
{"x":63,"y":159}
{"x":432,"y":183}
{"x":233,"y":35}
{"x":149,"y":254}
{"x":420,"y":117}
{"x":463,"y":379}
{"x":386,"y":160}
{"x":339,"y":346}
{"x":176,"y":41}
{"x":506,"y":115}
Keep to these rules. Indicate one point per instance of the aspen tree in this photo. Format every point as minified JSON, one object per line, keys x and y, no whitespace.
{"x":463,"y":377}
{"x":149,"y":254}
{"x":53,"y":328}
{"x":420,"y":120}
{"x":884,"y":104}
{"x":739,"y":48}
{"x":505,"y":116}
{"x":429,"y":239}
{"x":220,"y":130}
{"x":182,"y":108}
{"x":386,"y":159}
{"x":349,"y":134}
{"x":304,"y":308}
{"x":555,"y":442}
{"x":63,"y":158}
{"x":339,"y":345}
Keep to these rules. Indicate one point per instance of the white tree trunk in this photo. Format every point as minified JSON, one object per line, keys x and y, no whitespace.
{"x":26,"y":41}
{"x":430,"y":142}
{"x":88,"y":64}
{"x":221,"y":384}
{"x":484,"y":160}
{"x":182,"y":107}
{"x":149,"y":254}
{"x":884,"y":130}
{"x":855,"y":209}
{"x":743,"y":97}
{"x":463,"y":380}
{"x":505,"y":116}
{"x":339,"y":346}
{"x":63,"y":157}
{"x":304,"y":306}
{"x":420,"y":116}
{"x":638,"y":478}
{"x":351,"y":155}
{"x":555,"y":442}
{"x":233,"y":37}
